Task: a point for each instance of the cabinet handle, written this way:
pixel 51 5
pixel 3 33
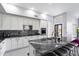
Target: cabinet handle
pixel 0 47
pixel 3 42
pixel 33 51
pixel 28 54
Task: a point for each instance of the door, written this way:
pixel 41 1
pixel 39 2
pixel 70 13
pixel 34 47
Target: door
pixel 58 32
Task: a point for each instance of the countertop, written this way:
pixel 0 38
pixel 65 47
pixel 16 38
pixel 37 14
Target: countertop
pixel 45 45
pixel 1 39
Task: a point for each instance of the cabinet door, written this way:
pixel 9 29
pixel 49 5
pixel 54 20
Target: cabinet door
pixel 6 22
pixel 3 45
pixel 27 21
pixel 30 21
pixel 23 52
pixel 20 42
pixel 14 43
pixel 31 50
pixel 0 21
pixel 25 41
pixel 8 44
pixel 36 24
pixel 14 23
pixel 20 23
pixel 43 24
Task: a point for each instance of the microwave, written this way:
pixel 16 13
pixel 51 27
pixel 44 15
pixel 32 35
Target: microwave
pixel 43 30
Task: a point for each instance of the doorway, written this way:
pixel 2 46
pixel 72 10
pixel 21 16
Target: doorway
pixel 58 32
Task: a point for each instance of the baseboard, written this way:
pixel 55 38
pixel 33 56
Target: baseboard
pixel 16 49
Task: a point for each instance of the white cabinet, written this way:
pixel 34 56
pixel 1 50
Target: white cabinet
pixel 43 24
pixel 36 24
pixel 20 42
pixel 0 21
pixel 17 42
pixel 31 50
pixel 14 43
pixel 30 21
pixel 2 47
pixel 25 41
pixel 20 23
pixel 27 21
pixel 14 23
pixel 6 22
pixel 8 44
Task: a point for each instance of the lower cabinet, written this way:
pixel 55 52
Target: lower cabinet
pixel 14 44
pixel 25 41
pixel 19 42
pixel 22 42
pixel 8 44
pixel 2 47
pixel 31 50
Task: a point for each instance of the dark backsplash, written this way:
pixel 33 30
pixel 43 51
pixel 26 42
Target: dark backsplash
pixel 16 33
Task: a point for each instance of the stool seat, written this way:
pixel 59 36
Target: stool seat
pixel 61 52
pixel 76 41
pixel 49 54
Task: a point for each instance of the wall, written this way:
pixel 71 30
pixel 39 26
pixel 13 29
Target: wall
pixel 72 24
pixel 50 26
pixel 61 19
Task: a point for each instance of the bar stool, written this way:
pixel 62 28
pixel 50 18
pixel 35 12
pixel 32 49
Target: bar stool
pixel 70 47
pixel 76 44
pixel 61 52
pixel 49 54
pixel 75 49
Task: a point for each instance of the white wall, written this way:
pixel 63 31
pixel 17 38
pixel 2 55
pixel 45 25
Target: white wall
pixel 71 26
pixel 50 26
pixel 61 19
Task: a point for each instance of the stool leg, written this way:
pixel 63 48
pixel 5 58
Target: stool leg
pixel 77 50
pixel 70 53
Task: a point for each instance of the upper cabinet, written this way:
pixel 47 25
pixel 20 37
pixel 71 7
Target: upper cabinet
pixel 6 22
pixel 43 23
pixel 34 22
pixel 13 22
pixel 0 21
pixel 27 21
pixel 19 23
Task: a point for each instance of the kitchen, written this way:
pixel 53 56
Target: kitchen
pixel 28 32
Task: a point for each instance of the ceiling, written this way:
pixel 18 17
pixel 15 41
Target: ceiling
pixel 51 8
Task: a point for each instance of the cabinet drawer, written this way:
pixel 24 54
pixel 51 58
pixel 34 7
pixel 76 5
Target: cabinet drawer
pixel 25 42
pixel 31 51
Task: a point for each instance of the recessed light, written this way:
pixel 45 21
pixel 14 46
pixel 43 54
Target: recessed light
pixel 32 8
pixel 50 3
pixel 45 13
